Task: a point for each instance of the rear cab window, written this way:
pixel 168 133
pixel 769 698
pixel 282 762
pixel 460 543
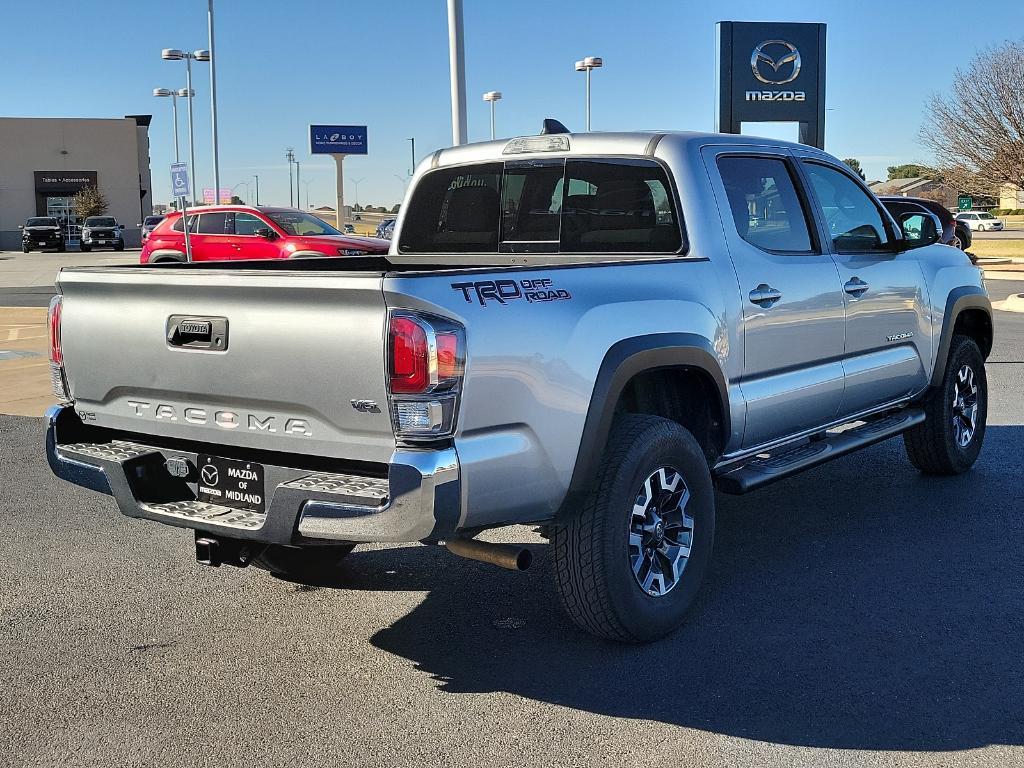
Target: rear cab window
pixel 545 206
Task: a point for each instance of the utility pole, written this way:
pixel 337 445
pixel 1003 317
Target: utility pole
pixel 257 189
pixel 289 155
pixel 298 185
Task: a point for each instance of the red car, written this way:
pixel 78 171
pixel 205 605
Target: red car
pixel 242 232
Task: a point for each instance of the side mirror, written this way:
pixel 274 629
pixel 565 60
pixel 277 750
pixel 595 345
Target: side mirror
pixel 120 226
pixel 266 233
pixel 920 229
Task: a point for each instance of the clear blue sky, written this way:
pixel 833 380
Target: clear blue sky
pixel 283 65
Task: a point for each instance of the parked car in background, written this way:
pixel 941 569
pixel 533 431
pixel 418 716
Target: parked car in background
pixel 386 229
pixel 42 232
pixel 980 221
pixel 101 232
pixel 348 229
pixel 226 232
pixel 955 233
pixel 148 225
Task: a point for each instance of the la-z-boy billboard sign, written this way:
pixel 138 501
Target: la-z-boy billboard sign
pixel 337 140
pixel 772 72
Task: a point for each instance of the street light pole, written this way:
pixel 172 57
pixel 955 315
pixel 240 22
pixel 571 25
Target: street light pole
pixel 412 153
pixel 492 96
pixel 191 127
pixel 213 102
pixel 257 188
pixel 587 65
pixel 165 92
pixel 298 185
pixel 356 183
pixel 457 64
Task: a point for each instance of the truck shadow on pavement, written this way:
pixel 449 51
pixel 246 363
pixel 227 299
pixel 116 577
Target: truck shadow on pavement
pixel 859 606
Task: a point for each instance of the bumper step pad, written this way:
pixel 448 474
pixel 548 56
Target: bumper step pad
pixel 208 513
pixel 349 489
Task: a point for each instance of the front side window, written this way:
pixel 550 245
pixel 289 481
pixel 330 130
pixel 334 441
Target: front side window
pixel 247 224
pixel 985 216
pixel 544 206
pixel 764 203
pixel 854 221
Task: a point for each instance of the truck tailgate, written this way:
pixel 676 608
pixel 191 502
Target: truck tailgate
pixel 299 347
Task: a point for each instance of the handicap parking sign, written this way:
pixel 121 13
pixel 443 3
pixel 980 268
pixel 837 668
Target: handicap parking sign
pixel 179 180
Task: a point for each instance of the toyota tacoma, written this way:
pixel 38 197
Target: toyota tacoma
pixel 587 334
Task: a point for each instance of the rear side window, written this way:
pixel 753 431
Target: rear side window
pixel 212 223
pixel 764 203
pixel 179 226
pixel 544 206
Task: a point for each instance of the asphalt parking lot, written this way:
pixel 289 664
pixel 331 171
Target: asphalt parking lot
pixel 859 614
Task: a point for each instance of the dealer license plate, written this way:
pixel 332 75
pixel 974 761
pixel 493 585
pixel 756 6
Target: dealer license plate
pixel 231 483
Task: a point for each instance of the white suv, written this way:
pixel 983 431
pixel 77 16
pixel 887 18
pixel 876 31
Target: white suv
pixel 980 221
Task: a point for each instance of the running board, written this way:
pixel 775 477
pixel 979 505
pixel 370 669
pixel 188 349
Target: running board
pixel 766 468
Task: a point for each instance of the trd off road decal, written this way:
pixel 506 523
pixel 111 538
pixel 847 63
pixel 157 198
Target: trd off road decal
pixel 504 291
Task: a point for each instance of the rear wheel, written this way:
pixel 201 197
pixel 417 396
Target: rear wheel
pixel 950 439
pixel 629 563
pixel 303 564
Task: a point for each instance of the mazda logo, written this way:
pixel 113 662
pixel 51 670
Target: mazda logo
pixel 210 475
pixel 770 65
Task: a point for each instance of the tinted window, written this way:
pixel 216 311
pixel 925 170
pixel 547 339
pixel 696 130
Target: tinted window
pixel 531 204
pixel 764 203
pixel 41 222
pixel 100 221
pixel 544 206
pixel 212 223
pixel 455 210
pixel 177 226
pixel 152 221
pixel 247 224
pixel 985 216
pixel 623 206
pixel 853 219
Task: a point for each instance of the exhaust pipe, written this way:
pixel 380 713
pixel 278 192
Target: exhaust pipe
pixel 511 556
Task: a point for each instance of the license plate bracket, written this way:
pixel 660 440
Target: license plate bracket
pixel 231 483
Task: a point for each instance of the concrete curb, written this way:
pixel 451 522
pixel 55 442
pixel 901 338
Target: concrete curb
pixel 1013 303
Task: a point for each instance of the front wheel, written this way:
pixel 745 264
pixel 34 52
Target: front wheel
pixel 949 440
pixel 630 561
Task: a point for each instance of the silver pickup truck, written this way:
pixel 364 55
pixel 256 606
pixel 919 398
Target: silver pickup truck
pixel 584 333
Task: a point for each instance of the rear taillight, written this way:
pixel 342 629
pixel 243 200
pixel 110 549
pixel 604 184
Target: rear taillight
pixel 57 378
pixel 425 367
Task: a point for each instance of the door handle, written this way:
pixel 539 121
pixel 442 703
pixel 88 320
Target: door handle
pixel 764 295
pixel 855 286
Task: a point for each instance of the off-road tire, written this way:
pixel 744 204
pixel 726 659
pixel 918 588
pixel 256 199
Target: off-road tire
pixel 308 564
pixel 590 551
pixel 931 445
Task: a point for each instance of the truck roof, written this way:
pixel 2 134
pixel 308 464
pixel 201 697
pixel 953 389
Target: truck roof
pixel 636 143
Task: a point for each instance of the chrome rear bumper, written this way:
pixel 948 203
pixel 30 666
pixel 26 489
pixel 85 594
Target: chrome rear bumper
pixel 419 500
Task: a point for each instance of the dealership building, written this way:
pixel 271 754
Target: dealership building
pixel 44 161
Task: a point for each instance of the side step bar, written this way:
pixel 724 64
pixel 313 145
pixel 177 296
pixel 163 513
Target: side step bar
pixel 785 461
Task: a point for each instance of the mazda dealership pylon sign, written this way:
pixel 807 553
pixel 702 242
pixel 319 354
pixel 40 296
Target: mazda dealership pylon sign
pixel 772 72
